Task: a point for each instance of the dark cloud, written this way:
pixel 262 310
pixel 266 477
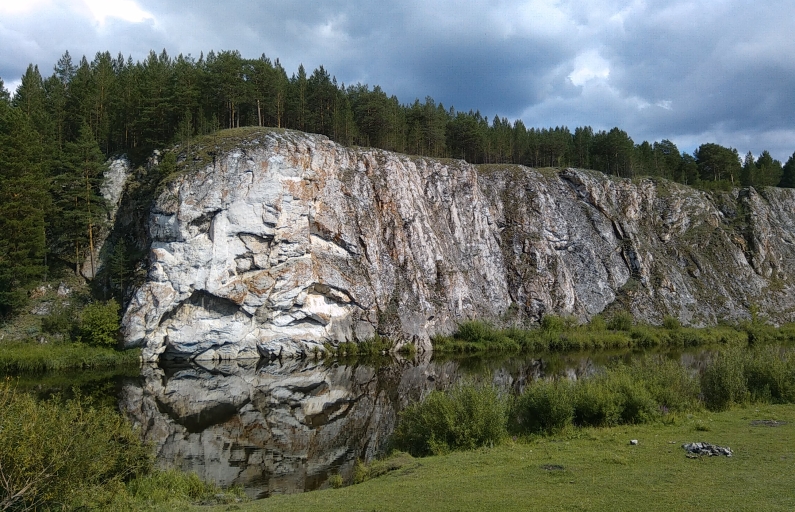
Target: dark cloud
pixel 689 71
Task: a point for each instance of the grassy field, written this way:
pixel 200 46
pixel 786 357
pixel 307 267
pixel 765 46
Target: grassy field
pixel 20 357
pixel 590 469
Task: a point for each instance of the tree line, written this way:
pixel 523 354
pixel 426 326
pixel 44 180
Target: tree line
pixel 56 132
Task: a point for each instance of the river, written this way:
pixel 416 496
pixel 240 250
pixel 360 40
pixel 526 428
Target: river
pixel 288 426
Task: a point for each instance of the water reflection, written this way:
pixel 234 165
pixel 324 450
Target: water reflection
pixel 276 428
pixel 288 426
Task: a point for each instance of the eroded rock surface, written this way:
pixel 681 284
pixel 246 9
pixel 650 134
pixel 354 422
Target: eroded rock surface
pixel 290 241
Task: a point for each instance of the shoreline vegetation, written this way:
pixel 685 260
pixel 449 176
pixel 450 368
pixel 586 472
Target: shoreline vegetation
pixel 82 454
pixel 621 331
pixel 751 367
pixel 21 358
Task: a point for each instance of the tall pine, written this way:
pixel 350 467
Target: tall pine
pixel 23 200
pixel 79 209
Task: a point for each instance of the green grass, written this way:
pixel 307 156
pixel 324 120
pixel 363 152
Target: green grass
pixel 600 471
pixel 30 357
pixel 621 332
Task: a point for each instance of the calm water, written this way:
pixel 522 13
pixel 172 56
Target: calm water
pixel 287 427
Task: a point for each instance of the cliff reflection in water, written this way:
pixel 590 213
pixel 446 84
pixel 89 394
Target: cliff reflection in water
pixel 276 428
pixel 287 427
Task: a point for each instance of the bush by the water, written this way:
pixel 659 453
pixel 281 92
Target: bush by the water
pixel 740 375
pixel 100 324
pixel 648 389
pixel 64 454
pixel 464 417
pixel 546 406
pixel 562 334
pixel 75 454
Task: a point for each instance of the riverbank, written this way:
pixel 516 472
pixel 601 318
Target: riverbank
pixel 591 469
pixel 31 357
pixel 622 331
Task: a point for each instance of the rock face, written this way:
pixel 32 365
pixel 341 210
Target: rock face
pixel 290 241
pixel 114 179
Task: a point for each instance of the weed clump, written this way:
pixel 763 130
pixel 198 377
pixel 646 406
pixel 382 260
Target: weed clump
pixel 546 407
pixel 464 417
pixel 80 455
pixel 723 381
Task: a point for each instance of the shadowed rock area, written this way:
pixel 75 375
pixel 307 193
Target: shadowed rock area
pixel 290 241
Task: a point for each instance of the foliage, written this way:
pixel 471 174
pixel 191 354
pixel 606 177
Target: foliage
pixel 32 357
pixel 546 406
pixel 69 454
pixel 723 382
pixel 562 334
pixel 621 321
pixel 100 324
pixel 671 323
pixel 23 201
pixel 464 417
pixel 78 454
pixel 172 489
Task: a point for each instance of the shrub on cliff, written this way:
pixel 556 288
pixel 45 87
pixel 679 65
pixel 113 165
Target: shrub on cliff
pixel 464 417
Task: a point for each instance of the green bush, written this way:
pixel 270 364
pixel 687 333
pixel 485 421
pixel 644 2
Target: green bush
pixel 474 331
pixel 553 323
pixel 173 487
pixel 465 417
pixel 723 381
pixel 545 406
pixel 671 323
pixel 597 324
pixel 670 384
pixel 770 375
pixel 621 321
pixel 637 404
pixel 595 403
pixel 60 322
pixel 64 455
pixel 99 325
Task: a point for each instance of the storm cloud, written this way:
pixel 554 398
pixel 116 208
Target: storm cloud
pixel 688 71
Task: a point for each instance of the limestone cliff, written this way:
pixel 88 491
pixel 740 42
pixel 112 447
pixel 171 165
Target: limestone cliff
pixel 289 241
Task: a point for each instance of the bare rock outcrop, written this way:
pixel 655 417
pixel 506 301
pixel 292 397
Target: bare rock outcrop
pixel 290 241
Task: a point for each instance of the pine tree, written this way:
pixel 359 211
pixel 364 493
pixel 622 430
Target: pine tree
pixel 788 173
pixel 768 170
pixel 79 209
pixel 748 177
pixel 23 201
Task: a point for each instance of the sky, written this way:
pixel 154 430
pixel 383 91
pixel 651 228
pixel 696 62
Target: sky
pixel 689 71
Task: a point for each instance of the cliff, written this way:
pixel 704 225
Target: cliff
pixel 288 241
